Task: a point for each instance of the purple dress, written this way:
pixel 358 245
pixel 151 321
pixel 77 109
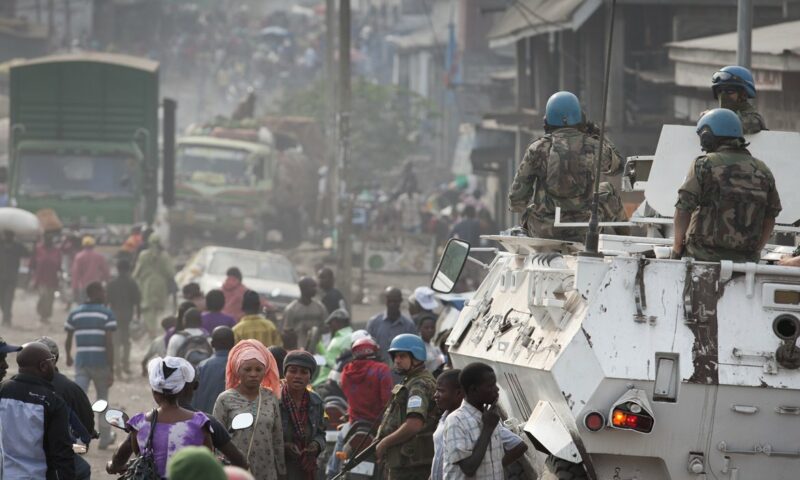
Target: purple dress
pixel 169 437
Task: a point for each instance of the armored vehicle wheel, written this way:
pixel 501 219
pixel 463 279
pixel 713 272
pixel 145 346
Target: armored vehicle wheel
pixel 564 470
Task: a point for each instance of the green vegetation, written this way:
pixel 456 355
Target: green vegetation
pixel 384 126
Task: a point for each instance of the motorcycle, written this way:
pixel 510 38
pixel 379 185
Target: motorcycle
pixel 356 460
pixel 119 419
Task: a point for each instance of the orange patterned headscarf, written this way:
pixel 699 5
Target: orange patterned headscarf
pixel 249 350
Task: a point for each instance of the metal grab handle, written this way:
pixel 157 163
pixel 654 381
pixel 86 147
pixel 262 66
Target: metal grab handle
pixel 766 449
pixel 787 410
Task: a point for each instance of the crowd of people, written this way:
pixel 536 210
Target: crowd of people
pixel 224 353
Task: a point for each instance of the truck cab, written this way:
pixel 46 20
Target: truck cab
pixel 83 140
pixel 223 187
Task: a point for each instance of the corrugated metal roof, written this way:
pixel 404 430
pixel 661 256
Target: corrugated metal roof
pixel 779 39
pixel 526 18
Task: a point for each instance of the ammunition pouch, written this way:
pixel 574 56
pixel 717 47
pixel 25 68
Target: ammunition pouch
pixel 416 452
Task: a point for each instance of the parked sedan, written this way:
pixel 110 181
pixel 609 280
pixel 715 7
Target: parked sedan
pixel 270 274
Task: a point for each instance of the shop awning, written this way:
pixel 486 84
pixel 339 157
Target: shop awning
pixel 526 18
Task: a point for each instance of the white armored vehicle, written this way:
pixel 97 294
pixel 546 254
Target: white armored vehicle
pixel 629 365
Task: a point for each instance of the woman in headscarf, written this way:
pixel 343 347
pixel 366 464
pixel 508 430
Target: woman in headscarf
pixel 175 427
pixel 253 385
pixel 302 414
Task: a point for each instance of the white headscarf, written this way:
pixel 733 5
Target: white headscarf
pixel 169 375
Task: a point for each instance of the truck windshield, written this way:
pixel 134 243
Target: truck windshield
pixel 213 165
pixel 71 174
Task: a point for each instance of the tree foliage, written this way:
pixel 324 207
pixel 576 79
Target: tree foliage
pixel 384 126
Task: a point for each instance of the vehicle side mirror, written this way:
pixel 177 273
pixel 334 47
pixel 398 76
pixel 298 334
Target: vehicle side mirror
pixel 117 418
pixel 450 266
pixel 100 406
pixel 242 421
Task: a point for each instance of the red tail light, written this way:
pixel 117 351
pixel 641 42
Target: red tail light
pixel 640 422
pixel 594 421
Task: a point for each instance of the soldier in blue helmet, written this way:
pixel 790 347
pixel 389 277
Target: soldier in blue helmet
pixel 727 205
pixel 558 171
pixel 406 430
pixel 733 86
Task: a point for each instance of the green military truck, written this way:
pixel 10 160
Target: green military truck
pixel 84 140
pixel 223 193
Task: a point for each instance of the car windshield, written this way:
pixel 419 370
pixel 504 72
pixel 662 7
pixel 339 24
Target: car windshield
pixel 213 165
pixel 76 175
pixel 253 266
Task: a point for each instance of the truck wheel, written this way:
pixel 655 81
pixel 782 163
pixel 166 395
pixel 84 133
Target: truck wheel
pixel 564 470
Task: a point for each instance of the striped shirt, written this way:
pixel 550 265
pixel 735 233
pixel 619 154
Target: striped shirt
pixel 90 322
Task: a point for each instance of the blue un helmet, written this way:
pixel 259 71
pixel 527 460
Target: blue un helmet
pixel 410 343
pixel 563 109
pixel 734 76
pixel 721 122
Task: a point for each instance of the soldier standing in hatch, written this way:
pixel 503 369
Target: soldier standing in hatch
pixel 727 205
pixel 732 86
pixel 558 171
pixel 406 431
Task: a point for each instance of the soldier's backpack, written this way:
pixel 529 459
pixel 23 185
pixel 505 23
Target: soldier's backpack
pixel 569 167
pixel 733 214
pixel 195 349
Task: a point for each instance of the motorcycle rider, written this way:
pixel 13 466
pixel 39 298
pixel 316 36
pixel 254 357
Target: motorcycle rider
pixel 367 385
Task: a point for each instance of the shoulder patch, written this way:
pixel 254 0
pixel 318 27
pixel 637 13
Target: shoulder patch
pixel 414 401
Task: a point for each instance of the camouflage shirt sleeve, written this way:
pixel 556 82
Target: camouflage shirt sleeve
pixel 530 168
pixel 419 398
pixel 774 206
pixel 612 163
pixel 689 192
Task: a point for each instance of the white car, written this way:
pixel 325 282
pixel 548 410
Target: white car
pixel 271 275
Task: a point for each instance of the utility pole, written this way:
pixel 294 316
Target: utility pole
pixel 332 158
pixel 68 24
pixel 346 216
pixel 51 20
pixel 745 31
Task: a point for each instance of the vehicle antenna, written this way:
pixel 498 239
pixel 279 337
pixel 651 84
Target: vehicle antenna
pixel 592 236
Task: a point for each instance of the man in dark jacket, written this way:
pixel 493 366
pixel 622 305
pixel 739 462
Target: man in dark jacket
pixel 124 299
pixel 81 414
pixel 211 371
pixel 40 448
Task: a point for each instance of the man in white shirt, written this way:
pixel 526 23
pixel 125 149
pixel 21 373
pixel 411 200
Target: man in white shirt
pixel 475 445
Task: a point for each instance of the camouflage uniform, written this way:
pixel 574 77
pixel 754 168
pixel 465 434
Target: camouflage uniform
pixel 558 171
pixel 752 121
pixel 729 194
pixel 411 460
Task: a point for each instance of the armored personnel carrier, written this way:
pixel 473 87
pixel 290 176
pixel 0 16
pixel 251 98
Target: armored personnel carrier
pixel 628 365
